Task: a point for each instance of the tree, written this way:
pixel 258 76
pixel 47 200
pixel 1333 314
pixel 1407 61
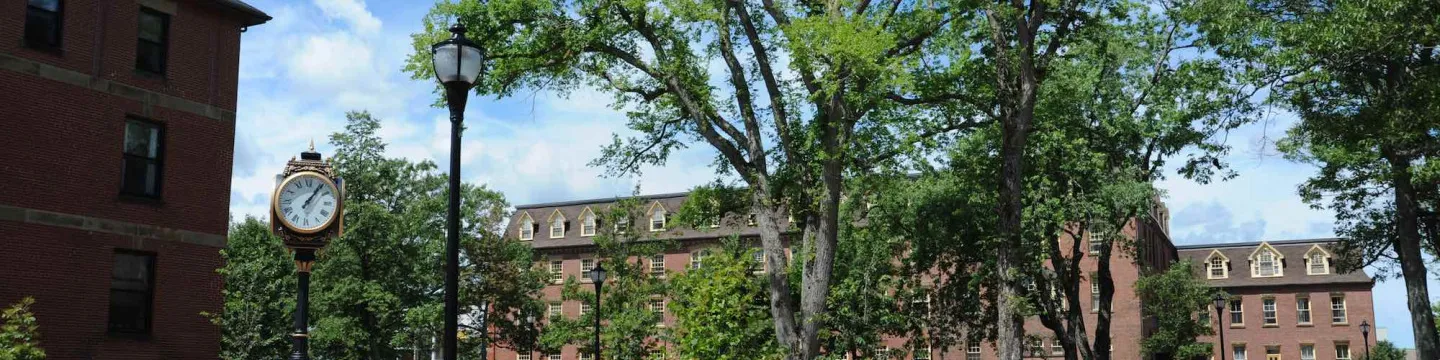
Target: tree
pixel 1385 350
pixel 1178 302
pixel 19 334
pixel 720 309
pixel 1361 78
pixel 810 94
pixel 259 294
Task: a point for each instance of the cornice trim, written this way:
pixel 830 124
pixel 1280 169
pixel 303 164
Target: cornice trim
pixel 108 226
pixel 147 98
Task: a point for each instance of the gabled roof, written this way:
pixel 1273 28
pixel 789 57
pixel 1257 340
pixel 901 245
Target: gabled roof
pixel 733 224
pixel 1291 249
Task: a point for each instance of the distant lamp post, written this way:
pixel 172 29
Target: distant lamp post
pixel 1365 333
pixel 457 66
pixel 1220 322
pixel 597 276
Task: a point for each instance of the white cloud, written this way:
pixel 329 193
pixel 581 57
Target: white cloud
pixel 352 12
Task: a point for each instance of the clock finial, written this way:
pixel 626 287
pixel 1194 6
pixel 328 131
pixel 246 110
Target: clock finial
pixel 312 144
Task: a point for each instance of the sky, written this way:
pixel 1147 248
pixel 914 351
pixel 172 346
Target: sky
pixel 301 72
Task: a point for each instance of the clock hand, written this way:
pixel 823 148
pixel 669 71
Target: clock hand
pixel 312 197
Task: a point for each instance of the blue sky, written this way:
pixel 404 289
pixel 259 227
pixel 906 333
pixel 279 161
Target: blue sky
pixel 317 59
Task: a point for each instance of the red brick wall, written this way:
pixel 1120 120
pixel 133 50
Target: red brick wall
pixel 68 274
pixel 1288 333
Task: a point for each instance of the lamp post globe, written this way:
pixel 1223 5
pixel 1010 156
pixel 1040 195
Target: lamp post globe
pixel 457 62
pixel 597 276
pixel 1220 300
pixel 1365 333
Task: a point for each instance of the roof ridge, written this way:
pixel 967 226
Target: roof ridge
pixel 600 200
pixel 1256 243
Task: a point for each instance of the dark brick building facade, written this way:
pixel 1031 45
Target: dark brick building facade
pixel 569 250
pixel 119 121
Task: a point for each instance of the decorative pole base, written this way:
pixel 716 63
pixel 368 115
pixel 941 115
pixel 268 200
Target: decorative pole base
pixel 300 340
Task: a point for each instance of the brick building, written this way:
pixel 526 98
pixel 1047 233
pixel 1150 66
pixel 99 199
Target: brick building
pixel 561 235
pixel 1288 301
pixel 119 118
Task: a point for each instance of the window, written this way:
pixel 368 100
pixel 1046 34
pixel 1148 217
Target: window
pixel 554 357
pixel 1302 310
pixel 1055 348
pixel 557 226
pixel 1307 352
pixel 1337 309
pixel 622 225
pixel 587 223
pixel 1097 242
pixel 750 219
pixel 42 24
pixel 1036 347
pixel 922 354
pixel 1272 352
pixel 657 306
pixel 1267 308
pixel 585 308
pixel 1217 268
pixel 1237 312
pixel 132 289
pixel 522 357
pixel 144 146
pixel 1266 264
pixel 881 352
pixel 587 356
pixel 1204 314
pixel 972 350
pixel 1239 352
pixel 555 310
pixel 1342 351
pixel 1094 296
pixel 557 269
pixel 697 258
pixel 759 257
pixel 527 227
pixel 1317 261
pixel 586 265
pixel 151 48
pixel 657 265
pixel 657 220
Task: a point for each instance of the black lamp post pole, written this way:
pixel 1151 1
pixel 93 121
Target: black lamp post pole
pixel 598 285
pixel 456 94
pixel 300 340
pixel 1220 323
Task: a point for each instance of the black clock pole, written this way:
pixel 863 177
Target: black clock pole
pixel 304 261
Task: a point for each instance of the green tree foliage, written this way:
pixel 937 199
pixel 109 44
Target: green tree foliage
pixel 809 94
pixel 259 294
pixel 1384 350
pixel 1362 78
pixel 19 334
pixel 720 309
pixel 1173 299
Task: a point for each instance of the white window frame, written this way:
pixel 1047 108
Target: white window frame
pixel 1347 353
pixel 587 356
pixel 522 356
pixel 587 222
pixel 1342 306
pixel 557 271
pixel 657 212
pixel 1269 311
pixel 557 225
pixel 972 350
pixel 586 265
pixel 1303 348
pixel 1094 296
pixel 555 357
pixel 586 308
pixel 1097 242
pixel 1239 352
pixel 1237 308
pixel 1211 265
pixel 1304 312
pixel 697 257
pixel 1317 252
pixel 657 265
pixel 922 354
pixel 622 225
pixel 555 310
pixel 1277 261
pixel 527 227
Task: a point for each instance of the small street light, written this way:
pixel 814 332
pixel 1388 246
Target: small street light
pixel 597 276
pixel 456 64
pixel 1220 322
pixel 1365 333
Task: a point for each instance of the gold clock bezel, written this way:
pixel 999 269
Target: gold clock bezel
pixel 275 203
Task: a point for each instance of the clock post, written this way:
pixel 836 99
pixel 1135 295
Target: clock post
pixel 306 212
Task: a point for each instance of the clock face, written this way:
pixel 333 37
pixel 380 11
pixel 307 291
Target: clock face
pixel 307 202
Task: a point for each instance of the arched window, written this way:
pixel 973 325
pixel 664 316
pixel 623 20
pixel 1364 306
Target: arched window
pixel 657 217
pixel 527 227
pixel 587 223
pixel 557 225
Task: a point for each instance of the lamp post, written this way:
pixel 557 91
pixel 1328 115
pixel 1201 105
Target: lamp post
pixel 1219 322
pixel 1365 333
pixel 456 63
pixel 597 276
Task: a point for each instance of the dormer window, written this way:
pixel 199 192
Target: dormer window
pixel 527 227
pixel 622 225
pixel 1266 262
pixel 657 217
pixel 557 225
pixel 1317 261
pixel 587 223
pixel 1216 266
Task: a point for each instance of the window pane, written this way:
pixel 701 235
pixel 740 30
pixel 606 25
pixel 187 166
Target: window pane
pixel 51 5
pixel 152 25
pixel 42 28
pixel 130 280
pixel 128 311
pixel 150 56
pixel 142 139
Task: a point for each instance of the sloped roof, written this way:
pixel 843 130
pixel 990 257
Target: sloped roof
pixel 1294 263
pixel 732 224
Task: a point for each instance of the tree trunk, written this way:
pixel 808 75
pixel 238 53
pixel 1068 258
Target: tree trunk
pixel 816 277
pixel 1412 265
pixel 1010 327
pixel 777 278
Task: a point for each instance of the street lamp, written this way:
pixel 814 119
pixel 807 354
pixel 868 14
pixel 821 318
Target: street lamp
pixel 597 276
pixel 1365 333
pixel 1220 322
pixel 457 66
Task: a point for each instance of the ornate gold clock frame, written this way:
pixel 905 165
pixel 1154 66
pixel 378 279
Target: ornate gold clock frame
pixel 305 244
